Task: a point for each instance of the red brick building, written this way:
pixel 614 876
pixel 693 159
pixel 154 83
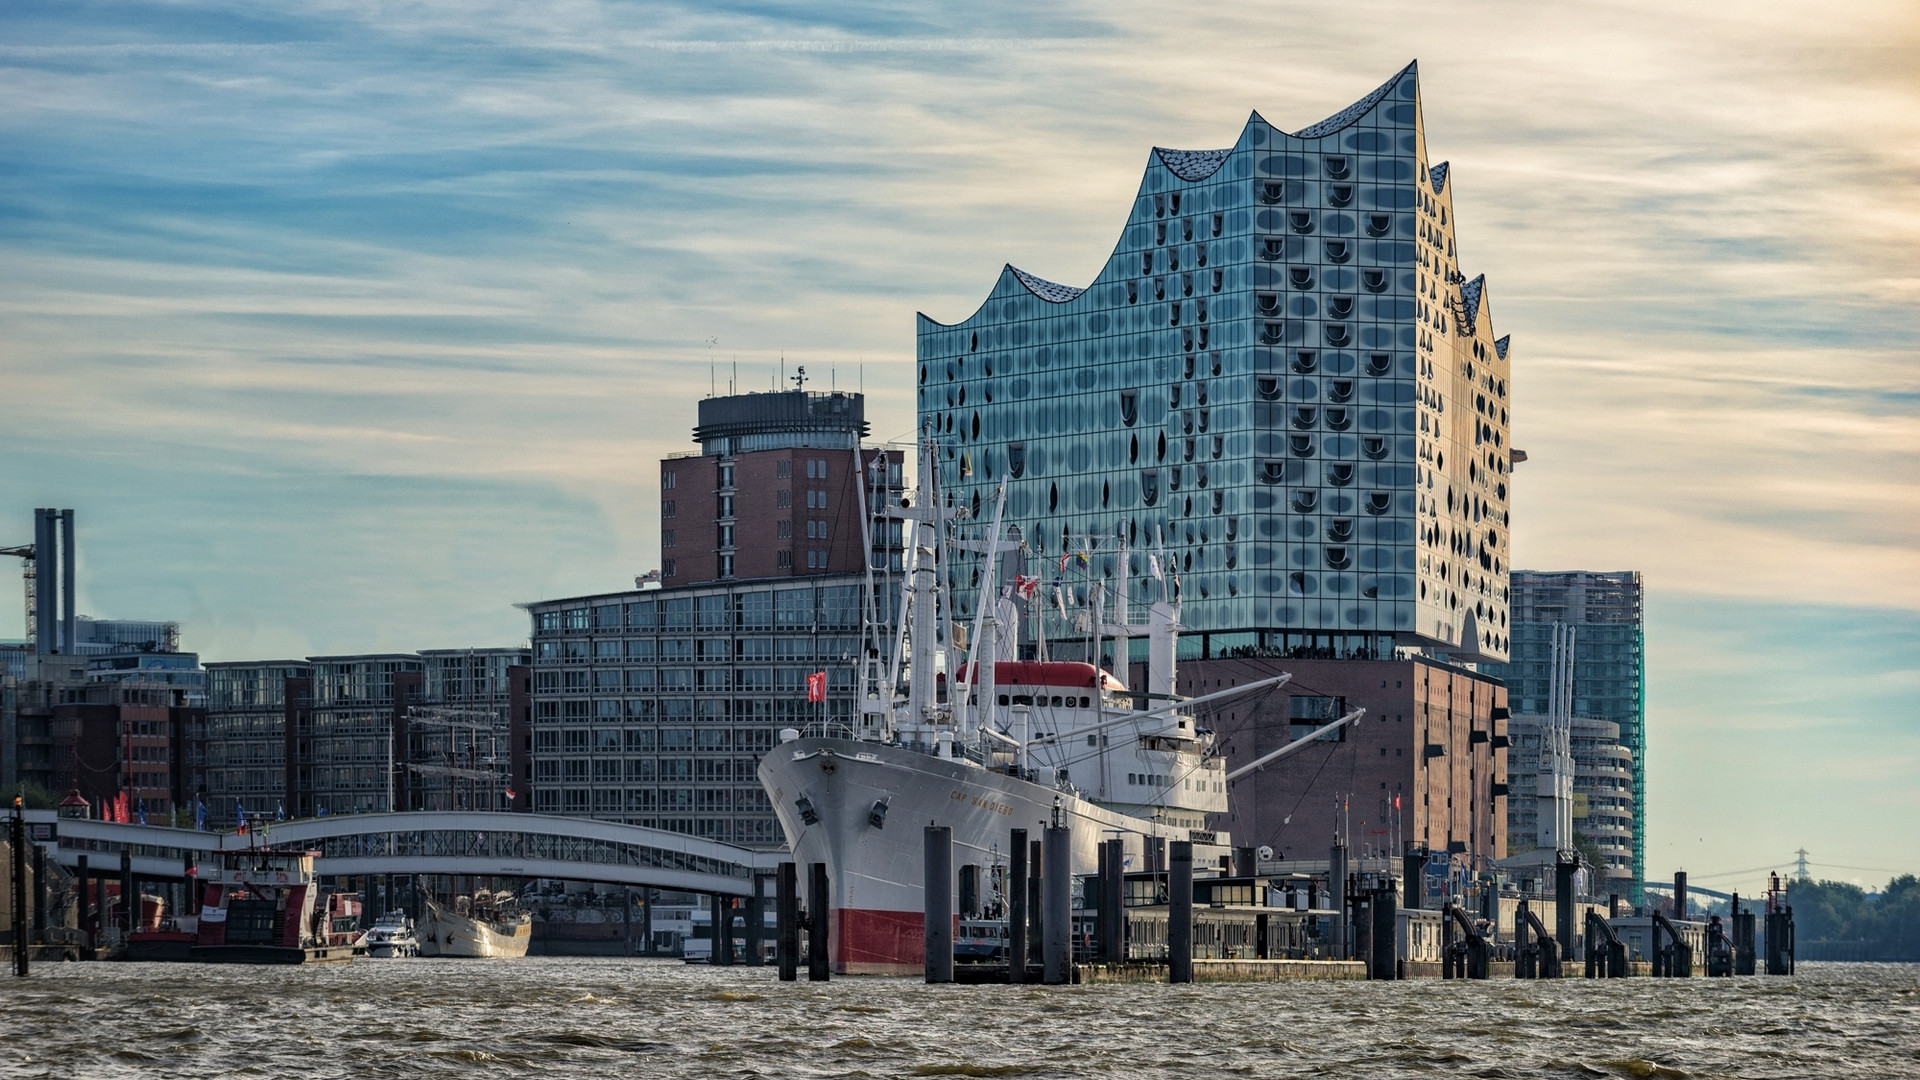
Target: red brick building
pixel 775 491
pixel 1433 738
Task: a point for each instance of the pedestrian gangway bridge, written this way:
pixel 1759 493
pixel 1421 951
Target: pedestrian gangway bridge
pixel 479 843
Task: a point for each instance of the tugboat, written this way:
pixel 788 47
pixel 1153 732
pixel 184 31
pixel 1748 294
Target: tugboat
pixel 263 906
pixel 483 925
pixel 392 936
pixel 1009 744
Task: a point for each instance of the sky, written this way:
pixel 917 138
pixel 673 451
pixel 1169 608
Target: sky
pixel 346 326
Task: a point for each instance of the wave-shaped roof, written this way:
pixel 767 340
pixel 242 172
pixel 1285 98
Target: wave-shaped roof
pixel 1193 165
pixel 1356 110
pixel 1051 291
pixel 1470 292
pixel 1500 345
pixel 1439 176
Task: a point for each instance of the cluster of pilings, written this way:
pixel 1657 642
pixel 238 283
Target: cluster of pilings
pixel 794 923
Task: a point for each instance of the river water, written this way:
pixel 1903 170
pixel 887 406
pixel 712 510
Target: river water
pixel 647 1018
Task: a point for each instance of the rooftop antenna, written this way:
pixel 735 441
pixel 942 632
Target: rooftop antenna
pixel 732 382
pixel 800 377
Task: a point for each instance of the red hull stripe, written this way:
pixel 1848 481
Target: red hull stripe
pixel 864 937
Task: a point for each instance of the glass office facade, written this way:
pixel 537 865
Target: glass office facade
pixel 1281 388
pixel 654 707
pixel 1609 664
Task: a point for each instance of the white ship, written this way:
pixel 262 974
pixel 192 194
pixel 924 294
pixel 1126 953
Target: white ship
pixel 486 925
pixel 1011 745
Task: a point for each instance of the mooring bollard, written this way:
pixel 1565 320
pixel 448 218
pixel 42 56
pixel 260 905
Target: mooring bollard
pixel 1056 886
pixel 1180 911
pixel 938 891
pixel 786 917
pixel 1017 878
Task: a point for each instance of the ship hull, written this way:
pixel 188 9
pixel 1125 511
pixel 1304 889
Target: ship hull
pixel 877 921
pixel 443 933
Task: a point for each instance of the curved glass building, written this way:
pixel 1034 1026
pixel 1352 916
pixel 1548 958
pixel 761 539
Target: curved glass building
pixel 1281 391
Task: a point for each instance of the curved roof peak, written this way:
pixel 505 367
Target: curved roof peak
pixel 1471 293
pixel 1051 291
pixel 1438 174
pixel 1500 345
pixel 1359 108
pixel 1193 165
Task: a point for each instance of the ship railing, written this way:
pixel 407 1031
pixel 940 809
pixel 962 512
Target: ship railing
pixel 829 729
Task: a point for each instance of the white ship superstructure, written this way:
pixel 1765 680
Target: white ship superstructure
pixel 1009 744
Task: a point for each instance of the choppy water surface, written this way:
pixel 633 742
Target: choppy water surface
pixel 639 1018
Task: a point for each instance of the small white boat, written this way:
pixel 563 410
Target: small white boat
pixel 392 935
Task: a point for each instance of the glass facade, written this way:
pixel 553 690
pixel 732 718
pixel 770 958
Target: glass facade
pixel 1281 388
pixel 654 707
pixel 246 735
pixel 1609 664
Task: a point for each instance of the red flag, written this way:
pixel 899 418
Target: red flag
pixel 817 686
pixel 1025 586
pixel 120 812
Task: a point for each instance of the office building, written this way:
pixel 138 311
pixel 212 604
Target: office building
pixel 355 734
pixel 1609 667
pixel 1281 386
pixel 653 706
pixel 775 491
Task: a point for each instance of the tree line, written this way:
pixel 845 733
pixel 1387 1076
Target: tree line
pixel 1838 920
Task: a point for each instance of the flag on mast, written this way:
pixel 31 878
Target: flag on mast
pixel 817 686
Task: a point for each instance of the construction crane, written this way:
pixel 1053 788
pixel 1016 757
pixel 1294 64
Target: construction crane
pixel 27 553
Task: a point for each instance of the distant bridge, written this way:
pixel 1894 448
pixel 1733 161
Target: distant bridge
pixel 478 843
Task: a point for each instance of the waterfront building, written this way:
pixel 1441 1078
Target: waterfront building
pixel 251 707
pixel 1603 809
pixel 355 734
pixel 1424 769
pixel 1609 665
pixel 1281 386
pixel 775 491
pixel 653 705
